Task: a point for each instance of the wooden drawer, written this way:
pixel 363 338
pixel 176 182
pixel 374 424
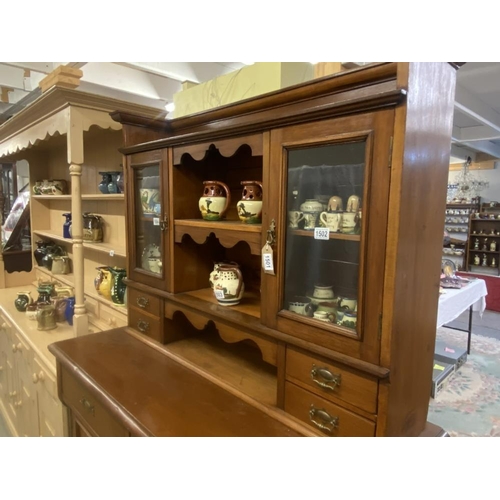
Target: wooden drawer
pixel 145 324
pixel 144 302
pixel 112 317
pixel 87 409
pixel 320 377
pixel 330 419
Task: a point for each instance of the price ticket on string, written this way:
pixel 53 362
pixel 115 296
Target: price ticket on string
pixel 156 221
pixel 321 233
pixel 267 259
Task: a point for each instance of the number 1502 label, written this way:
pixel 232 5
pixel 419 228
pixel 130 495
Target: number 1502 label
pixel 321 233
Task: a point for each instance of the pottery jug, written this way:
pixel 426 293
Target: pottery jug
pixel 60 264
pixel 41 250
pixel 120 182
pixel 70 309
pixel 92 227
pixel 52 251
pixel 103 185
pixel 67 225
pixel 294 217
pixel 59 304
pixel 215 200
pixel 22 301
pixel 103 282
pixel 118 285
pixel 112 184
pixel 250 206
pixel 46 317
pixel 64 291
pixel 227 284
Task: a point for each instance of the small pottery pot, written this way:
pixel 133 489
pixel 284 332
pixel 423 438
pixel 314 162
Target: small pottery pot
pixel 250 206
pixel 325 316
pixel 22 301
pixel 46 317
pixel 227 284
pixel 323 292
pixel 349 319
pixel 215 200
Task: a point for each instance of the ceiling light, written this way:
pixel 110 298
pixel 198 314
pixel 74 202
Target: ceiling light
pixel 169 107
pixel 248 64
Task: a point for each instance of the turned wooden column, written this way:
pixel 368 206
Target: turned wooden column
pixel 75 161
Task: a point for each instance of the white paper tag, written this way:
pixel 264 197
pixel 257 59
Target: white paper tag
pixel 321 233
pixel 111 253
pixel 219 294
pixel 267 259
pixel 156 221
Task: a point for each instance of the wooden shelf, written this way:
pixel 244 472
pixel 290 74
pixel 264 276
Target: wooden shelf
pixel 85 197
pixel 229 232
pixel 475 250
pixel 249 305
pixel 68 279
pixel 485 220
pixel 333 236
pixel 107 248
pixel 237 365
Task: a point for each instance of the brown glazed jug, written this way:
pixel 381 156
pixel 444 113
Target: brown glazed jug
pixel 250 206
pixel 215 200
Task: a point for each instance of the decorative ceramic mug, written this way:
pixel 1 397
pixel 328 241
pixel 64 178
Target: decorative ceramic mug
pixel 324 316
pixel 349 220
pixel 301 305
pixel 347 303
pixel 349 319
pixel 332 220
pixel 294 217
pixel 310 220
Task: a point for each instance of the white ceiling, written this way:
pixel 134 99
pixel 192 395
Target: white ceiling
pixel 477 103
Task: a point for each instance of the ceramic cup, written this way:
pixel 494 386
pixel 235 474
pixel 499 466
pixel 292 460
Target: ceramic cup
pixel 347 303
pixel 349 319
pixel 324 316
pixel 310 220
pixel 294 217
pixel 332 220
pixel 348 222
pixel 301 305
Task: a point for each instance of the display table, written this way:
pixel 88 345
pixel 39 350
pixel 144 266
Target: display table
pixel 455 301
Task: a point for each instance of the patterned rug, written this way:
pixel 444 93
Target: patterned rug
pixel 470 404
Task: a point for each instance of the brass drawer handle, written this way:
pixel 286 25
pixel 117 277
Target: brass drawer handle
pixel 331 380
pixel 142 326
pixel 327 424
pixel 142 302
pixel 86 404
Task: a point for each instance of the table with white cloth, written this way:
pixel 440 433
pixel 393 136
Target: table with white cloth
pixel 455 301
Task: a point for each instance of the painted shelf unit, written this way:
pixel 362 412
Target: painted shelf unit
pixel 67 134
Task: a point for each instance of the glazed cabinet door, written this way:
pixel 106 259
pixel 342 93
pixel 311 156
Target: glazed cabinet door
pixel 147 218
pixel 329 200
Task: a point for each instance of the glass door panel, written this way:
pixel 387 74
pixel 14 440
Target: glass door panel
pixel 325 189
pixel 148 223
